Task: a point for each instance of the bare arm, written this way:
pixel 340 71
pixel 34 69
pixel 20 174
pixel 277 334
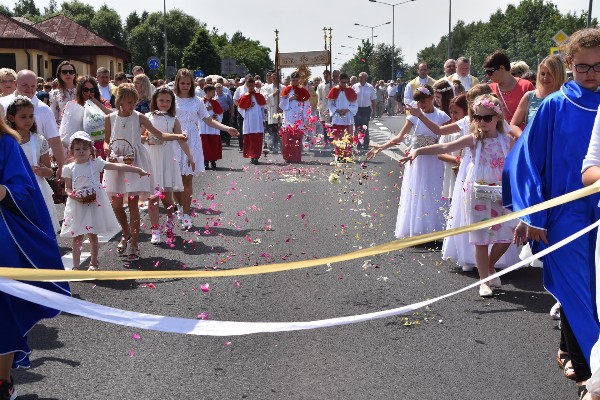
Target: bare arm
pixel 519 117
pixel 376 149
pixel 184 146
pixel 125 168
pixel 591 175
pixel 107 133
pixel 465 141
pixel 43 168
pixel 164 136
pixel 433 127
pixel 101 106
pixel 217 125
pixel 59 154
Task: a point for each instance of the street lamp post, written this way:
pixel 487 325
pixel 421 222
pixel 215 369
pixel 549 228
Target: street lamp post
pixel 393 25
pixel 165 33
pixel 362 40
pixel 372 28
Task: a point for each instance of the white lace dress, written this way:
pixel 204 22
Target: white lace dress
pixel 96 217
pixel 165 166
pixel 190 111
pixel 33 149
pixel 126 131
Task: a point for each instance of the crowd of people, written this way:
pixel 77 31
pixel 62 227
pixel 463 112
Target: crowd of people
pixel 475 151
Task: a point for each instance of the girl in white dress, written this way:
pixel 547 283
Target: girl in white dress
pixel 88 211
pixel 190 111
pixel 20 116
pixel 123 141
pixel 165 168
pixel 490 146
pixel 421 207
pixel 457 111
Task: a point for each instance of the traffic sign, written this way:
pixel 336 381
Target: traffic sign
pixel 560 37
pixel 153 62
pixel 398 74
pixel 198 73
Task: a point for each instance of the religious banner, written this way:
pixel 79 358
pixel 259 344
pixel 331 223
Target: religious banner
pixel 308 58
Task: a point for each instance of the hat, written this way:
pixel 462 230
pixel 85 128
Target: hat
pixel 242 80
pixel 80 135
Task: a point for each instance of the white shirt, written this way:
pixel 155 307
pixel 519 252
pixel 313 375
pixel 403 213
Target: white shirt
pixel 293 110
pixel 105 92
pixel 199 92
pixel 408 94
pixel 253 118
pixel 42 114
pixel 268 92
pixel 239 91
pixel 366 93
pixel 392 90
pixel 322 92
pixel 342 103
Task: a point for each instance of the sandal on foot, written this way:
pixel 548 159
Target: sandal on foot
pixel 582 392
pixel 93 267
pixel 134 254
pixel 122 246
pixel 564 362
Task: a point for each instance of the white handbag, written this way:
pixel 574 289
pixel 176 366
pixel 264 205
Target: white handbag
pixel 484 191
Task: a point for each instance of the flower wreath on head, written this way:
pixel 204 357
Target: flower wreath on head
pixel 444 90
pixel 424 90
pixel 489 104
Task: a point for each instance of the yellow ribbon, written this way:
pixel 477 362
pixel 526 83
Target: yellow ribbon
pixel 50 275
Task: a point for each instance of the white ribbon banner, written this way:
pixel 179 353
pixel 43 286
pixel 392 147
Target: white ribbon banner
pixel 308 58
pixel 228 328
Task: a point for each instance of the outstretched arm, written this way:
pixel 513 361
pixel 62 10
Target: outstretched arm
pixel 435 128
pixel 376 149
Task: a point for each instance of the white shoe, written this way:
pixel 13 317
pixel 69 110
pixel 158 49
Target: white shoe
pixel 467 268
pixel 495 283
pixel 143 206
pixel 555 311
pixel 179 214
pixel 186 221
pixel 170 225
pixel 485 291
pixel 155 239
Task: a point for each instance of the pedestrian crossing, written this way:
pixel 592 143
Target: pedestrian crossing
pixel 379 133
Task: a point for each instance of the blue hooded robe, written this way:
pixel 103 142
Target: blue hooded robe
pixel 27 240
pixel 546 163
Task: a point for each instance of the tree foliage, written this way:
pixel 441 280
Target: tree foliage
pixel 376 61
pixel 79 12
pixel 107 23
pixel 26 8
pixel 201 53
pixel 244 51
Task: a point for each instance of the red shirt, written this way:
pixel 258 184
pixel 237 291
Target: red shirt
pixel 510 100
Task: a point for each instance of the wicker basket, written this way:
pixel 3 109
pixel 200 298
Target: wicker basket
pixel 86 196
pixel 121 149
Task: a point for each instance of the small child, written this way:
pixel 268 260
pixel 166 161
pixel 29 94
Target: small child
pixel 457 111
pixel 20 117
pixel 211 137
pixel 489 145
pixel 88 210
pixel 251 106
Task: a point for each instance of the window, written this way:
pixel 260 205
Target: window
pixel 40 65
pixel 8 60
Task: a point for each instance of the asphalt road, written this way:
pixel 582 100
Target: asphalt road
pixel 460 348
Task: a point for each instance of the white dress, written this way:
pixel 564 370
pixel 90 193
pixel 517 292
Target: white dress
pixel 421 208
pixel 123 130
pixel 190 111
pixel 449 175
pixel 96 217
pixel 165 166
pixel 33 149
pixel 457 248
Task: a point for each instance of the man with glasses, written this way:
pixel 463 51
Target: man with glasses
pixel 506 87
pixel 422 79
pixel 463 70
pixel 43 115
pixel 8 78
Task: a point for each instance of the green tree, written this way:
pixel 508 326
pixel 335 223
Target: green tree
pixel 51 9
pixel 201 53
pixel 79 12
pixel 245 52
pixel 140 43
pixel 107 23
pixel 132 20
pixel 5 11
pixel 381 65
pixel 26 8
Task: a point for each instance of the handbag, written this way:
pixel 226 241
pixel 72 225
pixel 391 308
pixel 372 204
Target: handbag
pixel 484 191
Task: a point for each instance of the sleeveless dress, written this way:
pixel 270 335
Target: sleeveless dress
pixel 486 168
pixel 96 217
pixel 127 129
pixel 33 149
pixel 190 112
pixel 165 167
pixel 421 208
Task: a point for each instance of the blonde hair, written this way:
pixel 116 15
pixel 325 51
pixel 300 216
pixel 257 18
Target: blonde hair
pixel 486 101
pixel 557 70
pixel 124 91
pixel 146 87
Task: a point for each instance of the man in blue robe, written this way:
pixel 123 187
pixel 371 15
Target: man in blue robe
pixel 546 163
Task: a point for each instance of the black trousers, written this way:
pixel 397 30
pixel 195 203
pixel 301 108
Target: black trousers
pixel 240 124
pixel 362 118
pixel 568 342
pixel 225 136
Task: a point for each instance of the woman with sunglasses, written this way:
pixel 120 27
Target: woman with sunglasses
pixel 506 87
pixel 59 97
pixel 87 95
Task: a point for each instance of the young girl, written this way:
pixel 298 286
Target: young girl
pixel 211 137
pixel 88 210
pixel 549 154
pixel 190 111
pixel 421 208
pixel 20 117
pixel 122 138
pixel 165 168
pixel 489 145
pixel 457 110
pixel 28 241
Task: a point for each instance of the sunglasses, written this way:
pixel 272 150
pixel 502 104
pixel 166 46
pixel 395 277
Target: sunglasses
pixel 490 72
pixel 88 90
pixel 484 118
pixel 67 71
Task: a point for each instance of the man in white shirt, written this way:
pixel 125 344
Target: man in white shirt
pixel 103 78
pixel 463 69
pixel 239 91
pixel 367 103
pixel 271 93
pixel 43 115
pixel 391 98
pixel 322 103
pixel 200 82
pixel 421 80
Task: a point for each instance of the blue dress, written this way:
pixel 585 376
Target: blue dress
pixel 28 241
pixel 546 163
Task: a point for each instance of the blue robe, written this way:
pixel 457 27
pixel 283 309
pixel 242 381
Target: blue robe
pixel 27 241
pixel 546 163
